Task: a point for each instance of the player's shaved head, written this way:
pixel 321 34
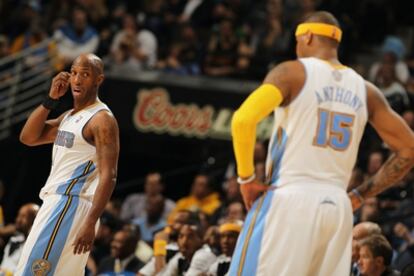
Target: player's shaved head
pixel 90 60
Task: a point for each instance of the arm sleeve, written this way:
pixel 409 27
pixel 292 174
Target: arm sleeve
pixel 243 127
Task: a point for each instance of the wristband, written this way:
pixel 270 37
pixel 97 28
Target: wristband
pixel 358 194
pixel 50 103
pixel 160 248
pixel 245 181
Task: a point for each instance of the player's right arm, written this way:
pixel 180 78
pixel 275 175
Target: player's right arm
pixel 38 130
pixel 399 138
pixel 280 87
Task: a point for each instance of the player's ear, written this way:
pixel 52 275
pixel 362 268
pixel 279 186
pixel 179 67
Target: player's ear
pixel 308 38
pixel 100 79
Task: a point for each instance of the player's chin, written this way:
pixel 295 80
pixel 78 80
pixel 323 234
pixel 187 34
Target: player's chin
pixel 77 95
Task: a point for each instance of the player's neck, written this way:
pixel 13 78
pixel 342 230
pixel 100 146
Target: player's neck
pixel 329 55
pixel 78 106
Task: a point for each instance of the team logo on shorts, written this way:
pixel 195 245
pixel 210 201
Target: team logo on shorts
pixel 40 267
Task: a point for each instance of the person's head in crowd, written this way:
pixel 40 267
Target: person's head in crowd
pixel 386 75
pixel 370 210
pixel 181 217
pixel 361 231
pixel 232 189
pixel 25 217
pixel 229 232
pixel 201 186
pixel 4 46
pixel 109 224
pixel 124 243
pixel 375 161
pixel 129 23
pixel 190 239
pixel 188 34
pixel 375 255
pixel 393 49
pixel 79 19
pixel 236 211
pixel 153 184
pixel 114 207
pixel 212 238
pixel 408 116
pixel 155 207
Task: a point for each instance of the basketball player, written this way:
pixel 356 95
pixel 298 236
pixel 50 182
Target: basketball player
pixel 301 223
pixel 83 173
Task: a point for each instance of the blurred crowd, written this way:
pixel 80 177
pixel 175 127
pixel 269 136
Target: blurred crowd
pixel 221 38
pixel 148 233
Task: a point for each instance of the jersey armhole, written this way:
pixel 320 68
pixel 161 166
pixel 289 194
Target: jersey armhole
pixel 96 112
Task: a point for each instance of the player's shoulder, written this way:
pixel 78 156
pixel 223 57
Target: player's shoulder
pixel 375 98
pixel 289 77
pixel 103 120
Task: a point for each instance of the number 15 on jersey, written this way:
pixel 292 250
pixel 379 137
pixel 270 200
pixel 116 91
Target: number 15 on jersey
pixel 334 129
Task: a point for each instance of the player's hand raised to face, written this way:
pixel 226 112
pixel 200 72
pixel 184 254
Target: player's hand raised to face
pixel 60 85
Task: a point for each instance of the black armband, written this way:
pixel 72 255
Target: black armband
pixel 50 103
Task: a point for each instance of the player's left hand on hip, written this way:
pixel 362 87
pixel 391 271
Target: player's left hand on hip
pixel 251 191
pixel 84 239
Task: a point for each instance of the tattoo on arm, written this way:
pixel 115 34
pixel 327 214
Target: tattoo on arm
pixel 391 172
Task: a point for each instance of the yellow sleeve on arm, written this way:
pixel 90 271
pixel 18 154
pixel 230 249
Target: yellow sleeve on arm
pixel 243 126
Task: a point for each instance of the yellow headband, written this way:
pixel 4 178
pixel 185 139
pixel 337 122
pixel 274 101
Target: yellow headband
pixel 234 227
pixel 320 29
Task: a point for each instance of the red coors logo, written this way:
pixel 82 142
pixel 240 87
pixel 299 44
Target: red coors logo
pixel 155 112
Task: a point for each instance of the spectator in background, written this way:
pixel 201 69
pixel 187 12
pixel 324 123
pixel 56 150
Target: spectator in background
pixel 270 43
pixel 393 51
pixel 357 178
pixel 222 57
pixel 205 256
pixel 76 37
pixel 184 56
pixel 406 249
pixel 190 240
pixel 393 90
pixel 361 231
pixel 375 256
pixel 168 240
pixel 102 244
pixel 122 259
pixel 202 197
pixel 35 35
pixel 14 247
pixel 370 210
pixel 229 233
pixel 114 207
pixel 134 205
pixel 375 161
pixel 133 47
pixel 236 211
pixel 152 221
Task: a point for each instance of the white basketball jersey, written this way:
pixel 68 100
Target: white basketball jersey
pixel 74 162
pixel 316 137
